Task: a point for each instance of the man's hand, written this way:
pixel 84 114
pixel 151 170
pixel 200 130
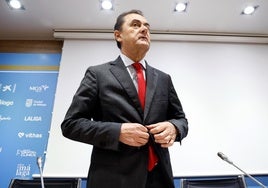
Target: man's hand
pixel 164 133
pixel 134 134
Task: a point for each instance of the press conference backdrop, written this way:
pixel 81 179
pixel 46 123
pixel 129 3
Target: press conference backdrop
pixel 27 89
pixel 223 89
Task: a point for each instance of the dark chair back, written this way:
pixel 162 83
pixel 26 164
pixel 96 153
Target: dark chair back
pixel 228 182
pixel 48 183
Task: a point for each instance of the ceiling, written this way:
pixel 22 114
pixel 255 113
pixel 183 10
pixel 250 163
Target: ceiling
pixel 41 17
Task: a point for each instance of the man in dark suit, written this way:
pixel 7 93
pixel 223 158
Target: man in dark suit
pixel 107 113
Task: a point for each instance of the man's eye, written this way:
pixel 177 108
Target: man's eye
pixel 135 25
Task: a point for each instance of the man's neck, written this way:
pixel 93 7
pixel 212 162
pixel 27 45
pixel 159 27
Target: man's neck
pixel 134 56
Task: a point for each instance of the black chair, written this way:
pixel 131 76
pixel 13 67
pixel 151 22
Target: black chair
pixel 219 182
pixel 48 183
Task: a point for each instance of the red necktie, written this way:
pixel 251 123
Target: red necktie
pixel 153 159
pixel 141 83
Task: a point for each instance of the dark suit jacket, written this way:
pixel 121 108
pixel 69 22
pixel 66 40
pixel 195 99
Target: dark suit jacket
pixel 105 99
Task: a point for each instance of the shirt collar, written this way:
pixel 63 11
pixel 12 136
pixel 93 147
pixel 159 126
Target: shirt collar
pixel 127 61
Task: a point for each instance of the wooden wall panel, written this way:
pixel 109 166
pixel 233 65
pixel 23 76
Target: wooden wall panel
pixel 31 46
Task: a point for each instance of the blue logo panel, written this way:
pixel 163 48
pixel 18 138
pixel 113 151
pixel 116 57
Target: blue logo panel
pixel 27 90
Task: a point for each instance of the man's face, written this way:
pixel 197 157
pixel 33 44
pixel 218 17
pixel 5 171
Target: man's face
pixel 135 33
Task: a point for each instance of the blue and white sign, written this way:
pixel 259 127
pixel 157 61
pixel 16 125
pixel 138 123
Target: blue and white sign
pixel 27 89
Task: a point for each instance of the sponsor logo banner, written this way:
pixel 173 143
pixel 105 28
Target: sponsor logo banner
pixel 26 104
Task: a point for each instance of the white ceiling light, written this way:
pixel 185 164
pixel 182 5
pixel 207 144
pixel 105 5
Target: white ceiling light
pixel 15 4
pixel 106 5
pixel 249 10
pixel 180 7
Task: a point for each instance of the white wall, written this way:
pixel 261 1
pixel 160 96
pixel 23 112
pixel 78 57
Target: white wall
pixel 223 88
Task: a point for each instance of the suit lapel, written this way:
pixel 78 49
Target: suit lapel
pixel 151 81
pixel 121 74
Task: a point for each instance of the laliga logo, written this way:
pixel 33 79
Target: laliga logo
pixel 20 134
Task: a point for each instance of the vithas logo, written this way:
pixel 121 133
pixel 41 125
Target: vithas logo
pixel 30 135
pixel 20 134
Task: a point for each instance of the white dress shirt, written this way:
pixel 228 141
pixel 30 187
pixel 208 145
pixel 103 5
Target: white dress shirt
pixel 131 70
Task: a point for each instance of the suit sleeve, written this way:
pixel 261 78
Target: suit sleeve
pixel 176 113
pixel 83 119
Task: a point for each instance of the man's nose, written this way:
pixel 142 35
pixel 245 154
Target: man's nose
pixel 144 29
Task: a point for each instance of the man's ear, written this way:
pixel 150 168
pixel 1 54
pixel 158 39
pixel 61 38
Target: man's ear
pixel 117 36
